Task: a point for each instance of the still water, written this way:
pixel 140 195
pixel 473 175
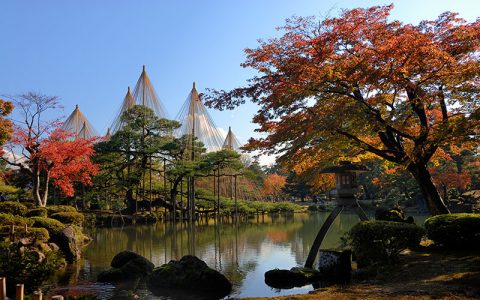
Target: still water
pixel 242 252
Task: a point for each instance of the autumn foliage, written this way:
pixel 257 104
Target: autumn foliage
pixel 67 160
pixel 360 83
pixel 272 186
pixel 47 153
pixel 5 124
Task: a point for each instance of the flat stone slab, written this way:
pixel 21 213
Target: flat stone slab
pixel 295 277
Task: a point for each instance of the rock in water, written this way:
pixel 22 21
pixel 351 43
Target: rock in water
pixel 336 265
pixel 126 265
pixel 295 277
pixel 68 242
pixel 191 274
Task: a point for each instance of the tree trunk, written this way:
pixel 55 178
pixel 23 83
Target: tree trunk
pixel 36 188
pixel 434 201
pixel 131 202
pixel 45 189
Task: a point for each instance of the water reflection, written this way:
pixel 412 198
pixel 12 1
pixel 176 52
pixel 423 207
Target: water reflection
pixel 243 252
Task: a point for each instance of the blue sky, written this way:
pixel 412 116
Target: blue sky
pixel 87 52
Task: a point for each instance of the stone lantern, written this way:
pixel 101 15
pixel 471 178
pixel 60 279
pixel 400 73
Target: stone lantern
pixel 346 193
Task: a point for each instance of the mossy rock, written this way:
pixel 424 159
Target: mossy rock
pixel 69 217
pixel 37 212
pixel 9 219
pixel 13 208
pixel 189 274
pixel 295 277
pixel 53 226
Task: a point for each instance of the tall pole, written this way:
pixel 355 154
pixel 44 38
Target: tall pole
pixel 143 135
pixel 218 194
pixel 235 196
pixel 192 179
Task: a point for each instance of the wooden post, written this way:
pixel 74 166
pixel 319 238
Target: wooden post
pixel 3 288
pixel 19 292
pixel 11 234
pixel 25 227
pixel 37 295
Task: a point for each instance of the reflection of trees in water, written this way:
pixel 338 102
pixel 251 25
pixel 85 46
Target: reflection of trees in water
pixel 232 249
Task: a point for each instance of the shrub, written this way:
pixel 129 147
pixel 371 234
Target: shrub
pixel 69 217
pixel 37 212
pixel 284 207
pixel 51 225
pixel 13 208
pixel 8 219
pixel 376 242
pixel 25 267
pixel 454 230
pixel 395 214
pixel 52 209
pixel 312 208
pixel 39 234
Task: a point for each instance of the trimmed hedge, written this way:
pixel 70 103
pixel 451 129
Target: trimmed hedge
pixel 375 242
pixel 14 208
pixel 8 219
pixel 37 212
pixel 69 217
pixel 39 234
pixel 51 225
pixel 52 209
pixel 454 230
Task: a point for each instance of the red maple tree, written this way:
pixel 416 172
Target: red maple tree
pixel 47 153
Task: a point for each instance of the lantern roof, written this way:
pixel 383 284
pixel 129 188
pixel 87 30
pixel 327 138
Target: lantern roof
pixel 345 167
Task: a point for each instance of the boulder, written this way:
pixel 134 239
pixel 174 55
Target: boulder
pixel 189 274
pixel 335 265
pixel 126 266
pixel 121 258
pixel 111 275
pixel 69 243
pixel 139 266
pixel 295 277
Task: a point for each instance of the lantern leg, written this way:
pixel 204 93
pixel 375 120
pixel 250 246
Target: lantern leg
pixel 321 235
pixel 360 212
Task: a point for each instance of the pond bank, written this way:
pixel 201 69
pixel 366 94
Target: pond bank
pixel 419 275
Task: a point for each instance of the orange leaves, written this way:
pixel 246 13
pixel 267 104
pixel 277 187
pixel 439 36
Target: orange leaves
pixel 67 160
pixel 273 185
pixel 6 108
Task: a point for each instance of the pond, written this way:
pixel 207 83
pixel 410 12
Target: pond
pixel 242 252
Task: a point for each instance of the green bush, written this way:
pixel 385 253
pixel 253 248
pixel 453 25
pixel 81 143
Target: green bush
pixel 312 208
pixel 26 267
pixel 454 230
pixel 284 207
pixel 375 242
pixel 14 208
pixel 8 219
pixel 51 225
pixel 37 212
pixel 69 217
pixel 52 209
pixel 39 234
